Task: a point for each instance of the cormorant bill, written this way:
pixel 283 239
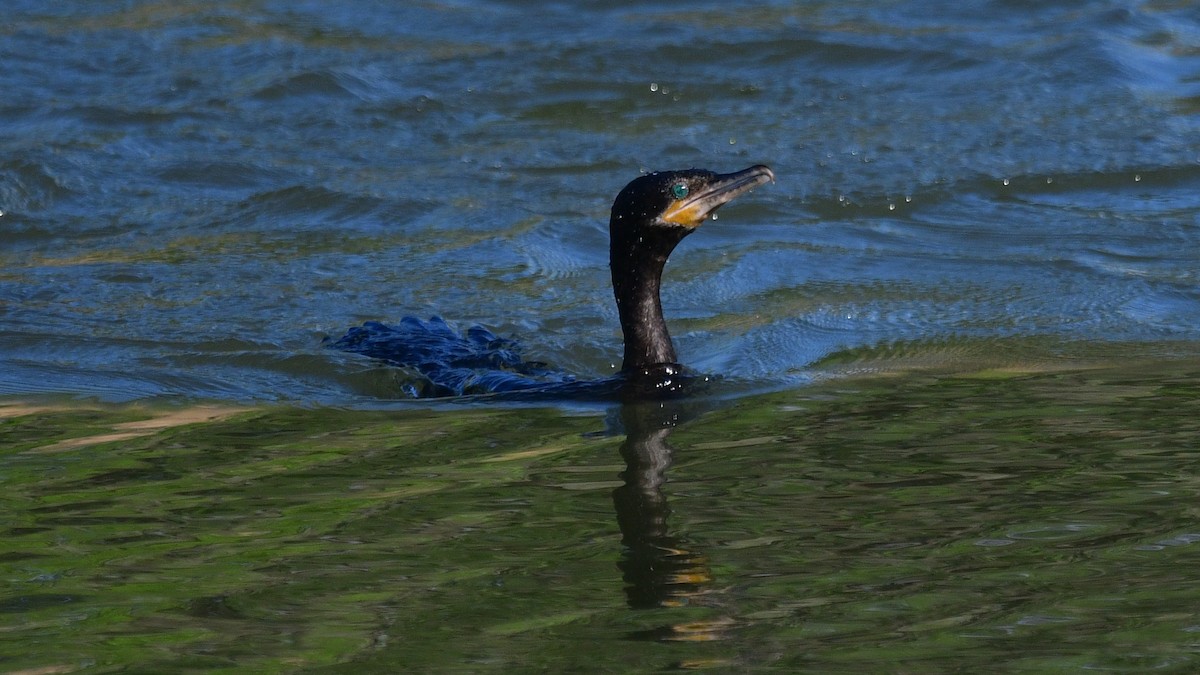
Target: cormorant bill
pixel 649 218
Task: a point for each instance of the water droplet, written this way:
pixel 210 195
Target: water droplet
pixel 653 86
pixel 1049 180
pixel 1006 181
pixel 907 199
pixel 1137 178
pixel 714 216
pixel 891 207
pixel 733 141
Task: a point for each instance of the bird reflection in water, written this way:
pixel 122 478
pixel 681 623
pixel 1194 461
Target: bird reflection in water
pixel 660 569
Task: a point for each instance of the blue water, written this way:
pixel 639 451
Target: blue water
pixel 195 194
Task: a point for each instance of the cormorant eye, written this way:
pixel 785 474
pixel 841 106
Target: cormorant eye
pixel 679 190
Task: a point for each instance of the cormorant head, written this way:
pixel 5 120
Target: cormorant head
pixel 681 200
pixel 649 218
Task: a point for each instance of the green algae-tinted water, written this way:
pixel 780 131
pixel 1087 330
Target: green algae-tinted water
pixel 1042 522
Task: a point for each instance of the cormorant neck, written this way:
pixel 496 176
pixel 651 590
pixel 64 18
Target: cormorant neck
pixel 636 259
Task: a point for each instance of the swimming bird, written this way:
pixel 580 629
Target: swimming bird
pixel 649 217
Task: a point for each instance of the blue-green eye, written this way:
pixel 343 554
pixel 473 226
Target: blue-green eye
pixel 679 190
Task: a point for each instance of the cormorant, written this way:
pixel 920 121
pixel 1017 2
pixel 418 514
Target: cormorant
pixel 650 216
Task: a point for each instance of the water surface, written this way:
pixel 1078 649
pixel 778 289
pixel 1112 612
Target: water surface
pixel 193 196
pixel 1011 522
pixel 957 341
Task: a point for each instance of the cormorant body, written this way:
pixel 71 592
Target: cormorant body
pixel 649 218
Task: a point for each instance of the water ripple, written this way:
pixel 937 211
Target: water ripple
pixel 172 174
